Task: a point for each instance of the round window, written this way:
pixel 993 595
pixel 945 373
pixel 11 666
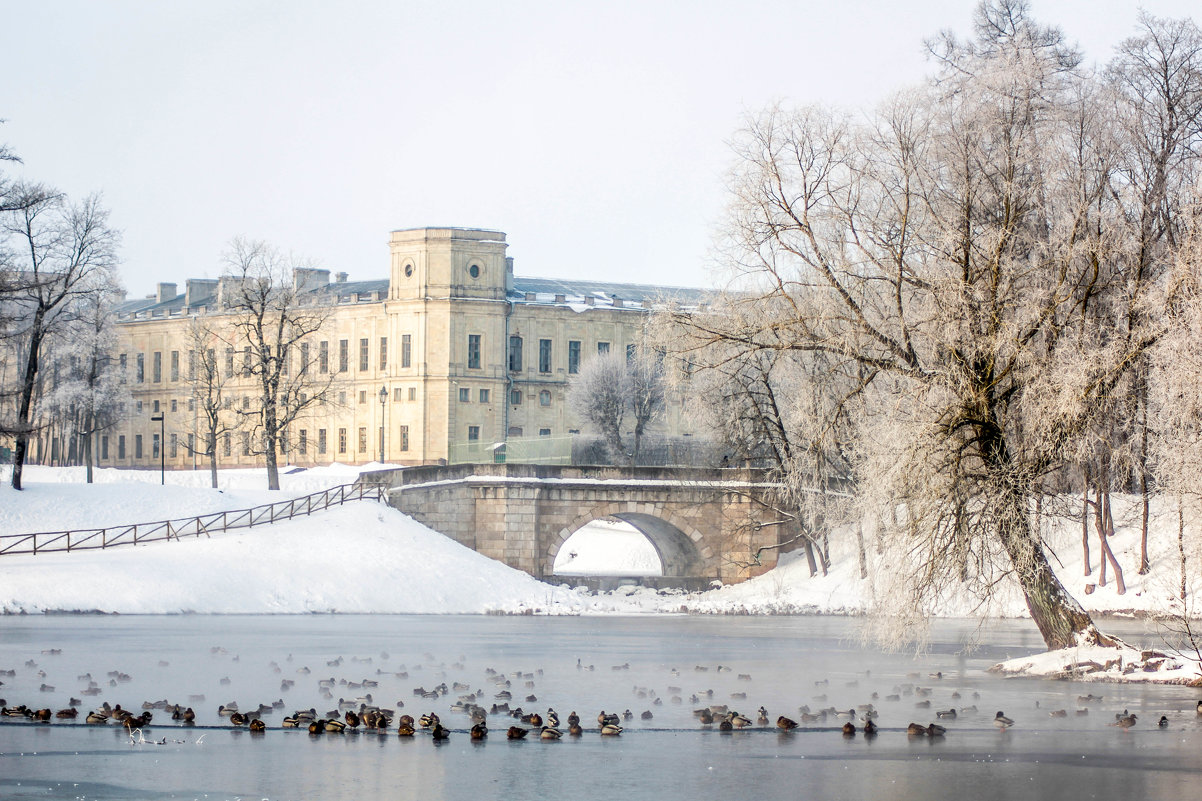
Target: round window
pixel 408 270
pixel 474 271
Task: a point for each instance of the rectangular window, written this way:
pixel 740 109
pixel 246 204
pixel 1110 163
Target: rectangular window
pixel 225 444
pixel 191 365
pixel 191 404
pixel 363 344
pixel 245 443
pixel 484 393
pixel 174 405
pixel 321 440
pixel 398 394
pixel 465 395
pixel 544 432
pixel 544 398
pixel 344 355
pixel 602 348
pixel 246 403
pixel 342 440
pixel 246 360
pixel 141 373
pixel 323 357
pixel 304 362
pixel 342 399
pixel 174 446
pixel 473 433
pixel 175 365
pixel 473 351
pixel 573 356
pixel 157 369
pixel 156 407
pixel 629 352
pixel 515 354
pixel 124 365
pixel 282 353
pixel 363 396
pixel 544 355
pixel 406 349
pixel 229 362
pixel 404 438
pixel 191 443
pixel 121 446
pixel 137 446
pixel 139 407
pixel 383 353
pixel 362 439
pixel 302 444
pixel 412 393
pixel 104 447
pixel 515 397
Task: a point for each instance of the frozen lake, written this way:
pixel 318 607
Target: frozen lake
pixel 788 662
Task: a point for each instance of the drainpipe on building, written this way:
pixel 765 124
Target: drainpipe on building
pixel 508 377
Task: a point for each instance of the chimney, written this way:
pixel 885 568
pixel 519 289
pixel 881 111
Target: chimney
pixel 306 279
pixel 164 292
pixel 561 298
pixel 339 278
pixel 198 290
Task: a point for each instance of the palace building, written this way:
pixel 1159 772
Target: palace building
pixel 451 358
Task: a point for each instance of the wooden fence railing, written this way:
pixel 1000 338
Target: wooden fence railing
pixel 200 525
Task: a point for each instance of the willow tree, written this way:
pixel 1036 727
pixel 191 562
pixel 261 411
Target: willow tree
pixel 958 260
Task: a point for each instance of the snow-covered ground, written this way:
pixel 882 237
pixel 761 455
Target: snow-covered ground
pixel 364 557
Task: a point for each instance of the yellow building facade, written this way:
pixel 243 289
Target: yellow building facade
pixel 450 358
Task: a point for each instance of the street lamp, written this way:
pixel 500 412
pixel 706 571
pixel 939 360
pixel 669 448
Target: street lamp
pixel 157 417
pixel 383 398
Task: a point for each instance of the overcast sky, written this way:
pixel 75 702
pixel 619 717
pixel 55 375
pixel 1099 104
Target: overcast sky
pixel 594 134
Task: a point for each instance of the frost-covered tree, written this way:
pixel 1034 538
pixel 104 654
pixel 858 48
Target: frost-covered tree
pixel 613 391
pixel 60 253
pixel 963 263
pixel 273 314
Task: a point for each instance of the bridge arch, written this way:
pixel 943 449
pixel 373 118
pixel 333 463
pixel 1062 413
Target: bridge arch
pixel 679 545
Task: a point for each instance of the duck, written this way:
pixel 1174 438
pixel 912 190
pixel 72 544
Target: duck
pixel 573 718
pixel 1058 713
pixel 405 729
pixel 726 725
pixel 950 714
pixel 916 730
pixel 849 729
pixel 1001 721
pixel 604 719
pixel 575 730
pixel 1164 722
pixel 737 720
pixel 611 730
pixel 318 726
pixel 478 732
pixel 646 715
pixel 290 722
pixel 97 718
pixel 257 726
pixel 706 717
pixel 238 719
pixel 428 720
pixel 552 718
pixel 335 726
pixel 1126 721
pixel 869 728
pixel 516 733
pixel 935 730
pixel 440 733
pixel 351 719
pixel 550 733
pixel 627 715
pixel 69 712
pixel 785 724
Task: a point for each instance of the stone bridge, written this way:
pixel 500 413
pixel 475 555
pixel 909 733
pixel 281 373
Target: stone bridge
pixel 704 523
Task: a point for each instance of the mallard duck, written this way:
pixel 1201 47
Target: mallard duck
pixel 706 717
pixel 257 726
pixel 478 731
pixel 726 725
pixel 1164 722
pixel 575 730
pixel 439 732
pixel 950 714
pixel 1002 722
pixel 935 730
pixel 335 726
pixel 646 715
pixel 573 718
pixel 317 726
pixel 550 733
pixel 98 718
pixel 69 712
pixel 1126 721
pixel 405 729
pixel 1058 713
pixel 916 730
pixel 611 730
pixel 849 729
pixel 351 719
pixel 238 719
pixel 552 718
pixel 869 728
pixel 737 720
pixel 516 733
pixel 428 720
pixel 785 724
pixel 604 719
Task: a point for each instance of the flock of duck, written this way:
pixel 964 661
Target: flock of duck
pixel 363 714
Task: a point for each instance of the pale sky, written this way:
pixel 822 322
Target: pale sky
pixel 594 134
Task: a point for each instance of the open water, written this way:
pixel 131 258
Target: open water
pixel 654 664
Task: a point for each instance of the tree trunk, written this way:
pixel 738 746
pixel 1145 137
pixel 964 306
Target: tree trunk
pixel 1181 543
pixel 213 459
pixel 1101 515
pixel 87 454
pixel 25 400
pixel 813 563
pixel 863 554
pixel 1085 525
pixel 1144 566
pixel 1118 570
pixel 1100 527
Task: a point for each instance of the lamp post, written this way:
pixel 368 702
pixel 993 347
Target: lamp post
pixel 158 417
pixel 383 398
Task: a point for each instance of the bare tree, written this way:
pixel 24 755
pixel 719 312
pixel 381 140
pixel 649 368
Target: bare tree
pixel 68 250
pixel 272 315
pixel 208 383
pixel 611 391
